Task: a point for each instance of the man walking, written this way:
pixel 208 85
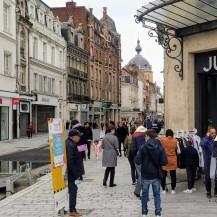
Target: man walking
pixel 151 157
pixel 207 145
pixel 75 169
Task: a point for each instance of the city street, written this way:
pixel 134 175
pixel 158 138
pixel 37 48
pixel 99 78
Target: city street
pixel 96 201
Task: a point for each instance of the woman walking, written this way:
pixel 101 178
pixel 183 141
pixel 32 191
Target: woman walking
pixel 128 145
pixel 169 144
pixel 110 153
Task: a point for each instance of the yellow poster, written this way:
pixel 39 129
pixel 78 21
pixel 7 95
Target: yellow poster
pixel 58 162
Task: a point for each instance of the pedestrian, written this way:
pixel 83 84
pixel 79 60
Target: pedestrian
pixel 110 154
pixel 29 130
pixel 169 144
pixel 67 125
pixel 88 137
pixel 96 147
pixel 148 124
pixel 83 142
pixel 151 157
pixel 191 162
pixel 156 126
pixel 207 146
pixel 138 141
pixel 128 144
pixel 121 134
pixel 75 169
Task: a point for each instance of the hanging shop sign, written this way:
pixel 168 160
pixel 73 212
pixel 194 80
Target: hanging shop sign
pixel 15 101
pixel 58 162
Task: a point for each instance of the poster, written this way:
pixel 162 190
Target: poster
pixel 58 162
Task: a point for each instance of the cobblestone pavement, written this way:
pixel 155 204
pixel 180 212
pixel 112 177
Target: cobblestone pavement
pixel 97 201
pixel 22 144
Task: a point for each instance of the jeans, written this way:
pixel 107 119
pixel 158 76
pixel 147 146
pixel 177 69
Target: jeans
pixel 88 149
pixel 73 189
pixel 191 175
pixel 138 184
pixel 173 179
pixel 156 193
pixel 134 174
pixel 208 182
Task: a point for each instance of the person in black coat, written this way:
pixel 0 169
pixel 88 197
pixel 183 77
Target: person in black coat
pixel 121 134
pixel 88 136
pixel 191 162
pixel 74 167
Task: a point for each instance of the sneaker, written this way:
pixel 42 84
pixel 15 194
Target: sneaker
pixel 144 216
pixel 194 189
pixel 188 191
pixel 158 216
pixel 164 192
pixel 173 192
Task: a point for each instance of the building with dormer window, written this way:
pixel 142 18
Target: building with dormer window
pixel 47 52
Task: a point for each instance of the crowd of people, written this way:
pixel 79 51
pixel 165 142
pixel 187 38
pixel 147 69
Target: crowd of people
pixel 151 157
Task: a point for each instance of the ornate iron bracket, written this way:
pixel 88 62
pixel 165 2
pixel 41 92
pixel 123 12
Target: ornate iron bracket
pixel 166 37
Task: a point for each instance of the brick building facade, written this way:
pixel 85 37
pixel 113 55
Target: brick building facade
pixel 103 43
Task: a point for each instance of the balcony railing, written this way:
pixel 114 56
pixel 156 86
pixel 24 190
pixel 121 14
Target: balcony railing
pixel 77 97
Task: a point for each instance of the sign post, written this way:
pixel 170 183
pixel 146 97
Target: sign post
pixel 58 163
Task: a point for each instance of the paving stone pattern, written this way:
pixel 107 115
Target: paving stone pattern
pixel 94 200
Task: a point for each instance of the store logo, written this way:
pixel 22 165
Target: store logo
pixel 212 64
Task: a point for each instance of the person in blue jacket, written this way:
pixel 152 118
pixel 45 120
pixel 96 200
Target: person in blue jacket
pixel 207 146
pixel 75 168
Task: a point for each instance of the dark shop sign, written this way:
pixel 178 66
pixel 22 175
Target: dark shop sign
pixel 206 62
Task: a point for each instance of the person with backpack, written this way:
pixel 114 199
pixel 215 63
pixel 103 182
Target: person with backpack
pixel 128 145
pixel 151 157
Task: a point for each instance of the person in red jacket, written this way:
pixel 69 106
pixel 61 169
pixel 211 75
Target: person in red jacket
pixel 29 130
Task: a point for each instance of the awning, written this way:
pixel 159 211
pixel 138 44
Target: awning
pixel 180 15
pixel 170 20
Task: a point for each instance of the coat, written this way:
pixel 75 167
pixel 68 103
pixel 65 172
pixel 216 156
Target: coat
pixel 75 164
pixel 190 157
pixel 151 157
pixel 109 146
pixel 170 146
pixel 128 144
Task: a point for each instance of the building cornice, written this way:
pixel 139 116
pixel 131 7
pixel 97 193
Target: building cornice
pixel 47 66
pixel 5 36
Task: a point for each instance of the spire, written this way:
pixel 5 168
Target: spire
pixel 138 47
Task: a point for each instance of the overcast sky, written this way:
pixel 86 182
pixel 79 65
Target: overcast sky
pixel 122 12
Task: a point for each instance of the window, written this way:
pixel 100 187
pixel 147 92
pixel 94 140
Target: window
pixel 22 75
pixel 60 86
pixel 7 63
pixel 45 84
pixel 45 51
pixel 6 17
pixel 49 85
pixel 60 58
pixel 53 86
pixel 53 55
pixel 22 44
pixel 32 12
pixel 41 83
pixel 35 81
pixel 41 18
pixel 35 48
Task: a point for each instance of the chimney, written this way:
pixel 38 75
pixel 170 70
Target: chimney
pixel 70 4
pixel 91 11
pixel 104 12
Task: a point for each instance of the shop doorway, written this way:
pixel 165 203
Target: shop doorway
pixel 207 102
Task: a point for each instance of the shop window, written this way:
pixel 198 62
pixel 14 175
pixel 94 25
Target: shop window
pixel 4 126
pixel 7 63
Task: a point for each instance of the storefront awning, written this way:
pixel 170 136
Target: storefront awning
pixel 181 14
pixel 170 20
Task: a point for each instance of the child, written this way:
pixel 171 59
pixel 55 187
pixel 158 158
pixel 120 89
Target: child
pixel 96 147
pixel 191 161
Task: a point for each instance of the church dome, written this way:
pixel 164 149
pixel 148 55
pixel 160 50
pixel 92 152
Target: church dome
pixel 139 60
